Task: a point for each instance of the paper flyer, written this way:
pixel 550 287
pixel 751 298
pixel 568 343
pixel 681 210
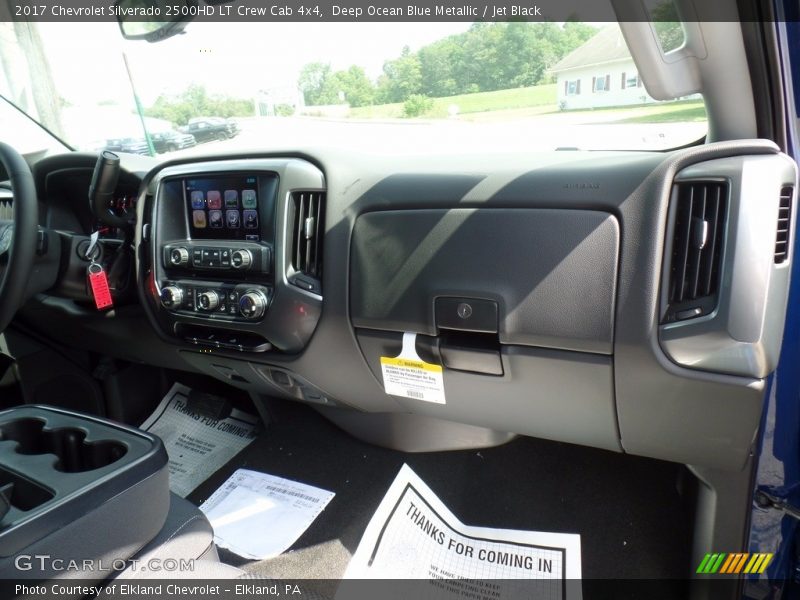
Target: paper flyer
pixel 197 445
pixel 259 516
pixel 413 535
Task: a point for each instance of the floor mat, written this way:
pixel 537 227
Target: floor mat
pixel 632 521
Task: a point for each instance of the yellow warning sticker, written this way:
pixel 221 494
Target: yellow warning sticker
pixel 409 377
pixel 410 364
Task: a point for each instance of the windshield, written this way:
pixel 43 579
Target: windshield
pixel 380 87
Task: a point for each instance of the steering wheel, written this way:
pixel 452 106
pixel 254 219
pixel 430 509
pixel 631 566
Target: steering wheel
pixel 17 237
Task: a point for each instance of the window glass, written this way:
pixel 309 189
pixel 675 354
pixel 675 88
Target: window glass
pixel 367 85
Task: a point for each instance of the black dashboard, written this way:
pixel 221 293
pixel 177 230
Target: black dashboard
pixel 544 285
pixel 232 245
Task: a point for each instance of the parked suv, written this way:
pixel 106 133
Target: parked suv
pixel 129 145
pixel 169 141
pixel 210 128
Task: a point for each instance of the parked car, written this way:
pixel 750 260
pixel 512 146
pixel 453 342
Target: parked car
pixel 129 145
pixel 206 129
pixel 236 127
pixel 170 141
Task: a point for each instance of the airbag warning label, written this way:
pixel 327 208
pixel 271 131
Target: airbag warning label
pixel 413 379
pixel 408 376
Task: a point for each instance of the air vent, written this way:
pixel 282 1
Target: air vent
pixel 308 226
pixel 696 249
pixel 6 205
pixel 784 221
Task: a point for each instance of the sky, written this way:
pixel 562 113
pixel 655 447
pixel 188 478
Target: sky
pixel 235 59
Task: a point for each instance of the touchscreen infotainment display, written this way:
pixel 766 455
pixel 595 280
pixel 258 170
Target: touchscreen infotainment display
pixel 224 208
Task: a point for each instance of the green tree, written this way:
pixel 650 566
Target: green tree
pixel 357 88
pixel 317 85
pixel 475 67
pixel 529 52
pixel 401 78
pixel 573 34
pixel 196 102
pixel 494 56
pixel 437 62
pixel 417 105
pixel 486 57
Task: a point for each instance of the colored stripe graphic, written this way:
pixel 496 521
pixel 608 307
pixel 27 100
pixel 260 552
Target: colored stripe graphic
pixel 710 563
pixel 740 564
pixel 703 563
pixel 763 566
pixel 717 564
pixel 727 564
pixel 753 563
pixel 734 563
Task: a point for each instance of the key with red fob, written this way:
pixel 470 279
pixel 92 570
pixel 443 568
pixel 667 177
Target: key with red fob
pixel 98 286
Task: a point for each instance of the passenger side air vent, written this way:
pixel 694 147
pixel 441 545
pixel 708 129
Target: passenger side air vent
pixel 784 220
pixel 308 225
pixel 696 252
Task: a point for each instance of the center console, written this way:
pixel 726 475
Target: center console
pixel 71 485
pixel 235 247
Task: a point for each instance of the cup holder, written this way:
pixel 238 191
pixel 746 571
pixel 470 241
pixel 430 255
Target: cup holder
pixel 75 455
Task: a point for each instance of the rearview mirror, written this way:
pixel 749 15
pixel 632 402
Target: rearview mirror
pixel 153 20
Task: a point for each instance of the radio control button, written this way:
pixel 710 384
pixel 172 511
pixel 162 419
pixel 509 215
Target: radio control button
pixel 208 300
pixel 171 296
pixel 241 259
pixel 179 257
pixel 225 258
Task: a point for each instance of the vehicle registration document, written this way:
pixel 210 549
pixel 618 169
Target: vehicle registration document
pixel 413 535
pixel 259 516
pixel 197 445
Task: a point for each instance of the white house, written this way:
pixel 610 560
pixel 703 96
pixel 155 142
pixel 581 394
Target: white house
pixel 599 73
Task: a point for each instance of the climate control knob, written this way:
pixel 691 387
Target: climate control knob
pixel 171 296
pixel 179 257
pixel 208 300
pixel 241 259
pixel 253 304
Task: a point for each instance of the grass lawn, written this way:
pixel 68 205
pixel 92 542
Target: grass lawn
pixel 539 95
pixel 529 102
pixel 377 111
pixel 670 113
